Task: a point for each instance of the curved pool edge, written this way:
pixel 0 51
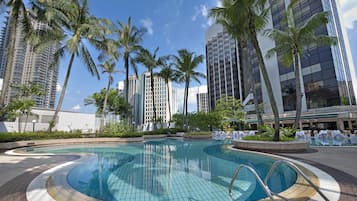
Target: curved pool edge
pixel 40 190
pixel 52 185
pixel 326 183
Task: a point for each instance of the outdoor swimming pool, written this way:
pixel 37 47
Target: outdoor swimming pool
pixel 170 170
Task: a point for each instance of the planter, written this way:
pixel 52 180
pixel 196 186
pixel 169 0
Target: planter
pixel 266 146
pixel 154 136
pixel 198 136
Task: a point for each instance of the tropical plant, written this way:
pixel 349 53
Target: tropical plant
pixel 291 43
pixel 168 74
pixel 109 68
pixel 231 111
pixel 75 29
pixel 186 63
pixel 150 61
pixel 244 19
pixel 129 39
pixel 18 16
pixel 115 104
pixel 22 104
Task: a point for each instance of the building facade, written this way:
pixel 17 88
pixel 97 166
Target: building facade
pixel 134 97
pixel 328 74
pixel 160 97
pixel 29 66
pixel 202 102
pixel 223 70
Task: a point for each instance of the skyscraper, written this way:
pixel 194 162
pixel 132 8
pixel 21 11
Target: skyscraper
pixel 223 72
pixel 328 73
pixel 29 66
pixel 134 98
pixel 160 97
pixel 202 102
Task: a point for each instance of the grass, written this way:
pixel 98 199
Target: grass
pixel 268 138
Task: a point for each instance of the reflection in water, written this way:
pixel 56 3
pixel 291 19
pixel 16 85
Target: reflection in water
pixel 173 170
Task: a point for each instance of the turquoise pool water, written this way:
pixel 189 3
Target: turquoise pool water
pixel 170 170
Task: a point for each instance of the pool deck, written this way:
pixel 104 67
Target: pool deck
pixel 16 172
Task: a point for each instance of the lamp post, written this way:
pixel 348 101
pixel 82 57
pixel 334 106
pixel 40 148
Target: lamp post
pixel 33 125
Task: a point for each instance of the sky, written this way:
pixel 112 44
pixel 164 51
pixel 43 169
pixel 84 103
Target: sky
pixel 171 25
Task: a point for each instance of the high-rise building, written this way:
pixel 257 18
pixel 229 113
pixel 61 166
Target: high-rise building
pixel 160 97
pixel 328 73
pixel 29 66
pixel 202 102
pixel 223 72
pixel 134 98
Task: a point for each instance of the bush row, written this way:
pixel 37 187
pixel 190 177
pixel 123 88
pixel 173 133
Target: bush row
pixel 163 131
pixel 12 137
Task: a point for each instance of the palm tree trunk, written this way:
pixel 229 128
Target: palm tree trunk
pixel 187 85
pixel 27 118
pixel 254 40
pixel 9 61
pixel 60 101
pixel 153 99
pixel 104 112
pixel 298 89
pixel 19 123
pixel 250 74
pixel 126 87
pixel 183 108
pixel 168 101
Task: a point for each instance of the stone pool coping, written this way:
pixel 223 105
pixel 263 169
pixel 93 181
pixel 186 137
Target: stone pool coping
pixel 18 144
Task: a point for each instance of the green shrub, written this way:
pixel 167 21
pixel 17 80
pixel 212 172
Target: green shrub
pixel 126 134
pixel 197 133
pixel 268 138
pixel 12 137
pixel 287 132
pixel 164 131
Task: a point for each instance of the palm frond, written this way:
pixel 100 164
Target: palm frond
pixel 88 60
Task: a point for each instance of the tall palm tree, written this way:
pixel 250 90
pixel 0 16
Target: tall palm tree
pixel 150 61
pixel 232 26
pixel 291 43
pixel 109 68
pixel 77 28
pixel 167 73
pixel 129 39
pixel 18 17
pixel 186 63
pixel 251 16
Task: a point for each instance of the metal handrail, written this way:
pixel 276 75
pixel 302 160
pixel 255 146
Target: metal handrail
pixel 265 187
pixel 290 164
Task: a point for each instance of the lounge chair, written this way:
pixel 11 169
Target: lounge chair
pixel 338 139
pixel 322 138
pixel 353 138
pixel 300 136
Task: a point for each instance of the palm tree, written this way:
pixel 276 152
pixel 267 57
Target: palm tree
pixel 150 61
pixel 167 73
pixel 77 28
pixel 18 16
pixel 186 63
pixel 129 39
pixel 291 43
pixel 232 26
pixel 250 16
pixel 108 67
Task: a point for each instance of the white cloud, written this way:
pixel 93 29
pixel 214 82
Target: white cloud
pixel 147 23
pixel 349 12
pixel 76 107
pixel 58 87
pixel 200 10
pixel 219 3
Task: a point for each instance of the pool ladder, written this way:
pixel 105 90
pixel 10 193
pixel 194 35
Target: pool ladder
pixel 264 184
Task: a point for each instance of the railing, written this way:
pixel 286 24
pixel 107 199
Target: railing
pixel 290 164
pixel 265 187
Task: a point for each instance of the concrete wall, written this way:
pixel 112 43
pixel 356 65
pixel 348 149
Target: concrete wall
pixel 67 121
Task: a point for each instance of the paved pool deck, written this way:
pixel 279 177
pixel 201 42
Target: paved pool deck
pixel 16 172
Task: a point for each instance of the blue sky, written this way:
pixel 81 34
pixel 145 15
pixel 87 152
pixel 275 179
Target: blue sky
pixel 172 25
